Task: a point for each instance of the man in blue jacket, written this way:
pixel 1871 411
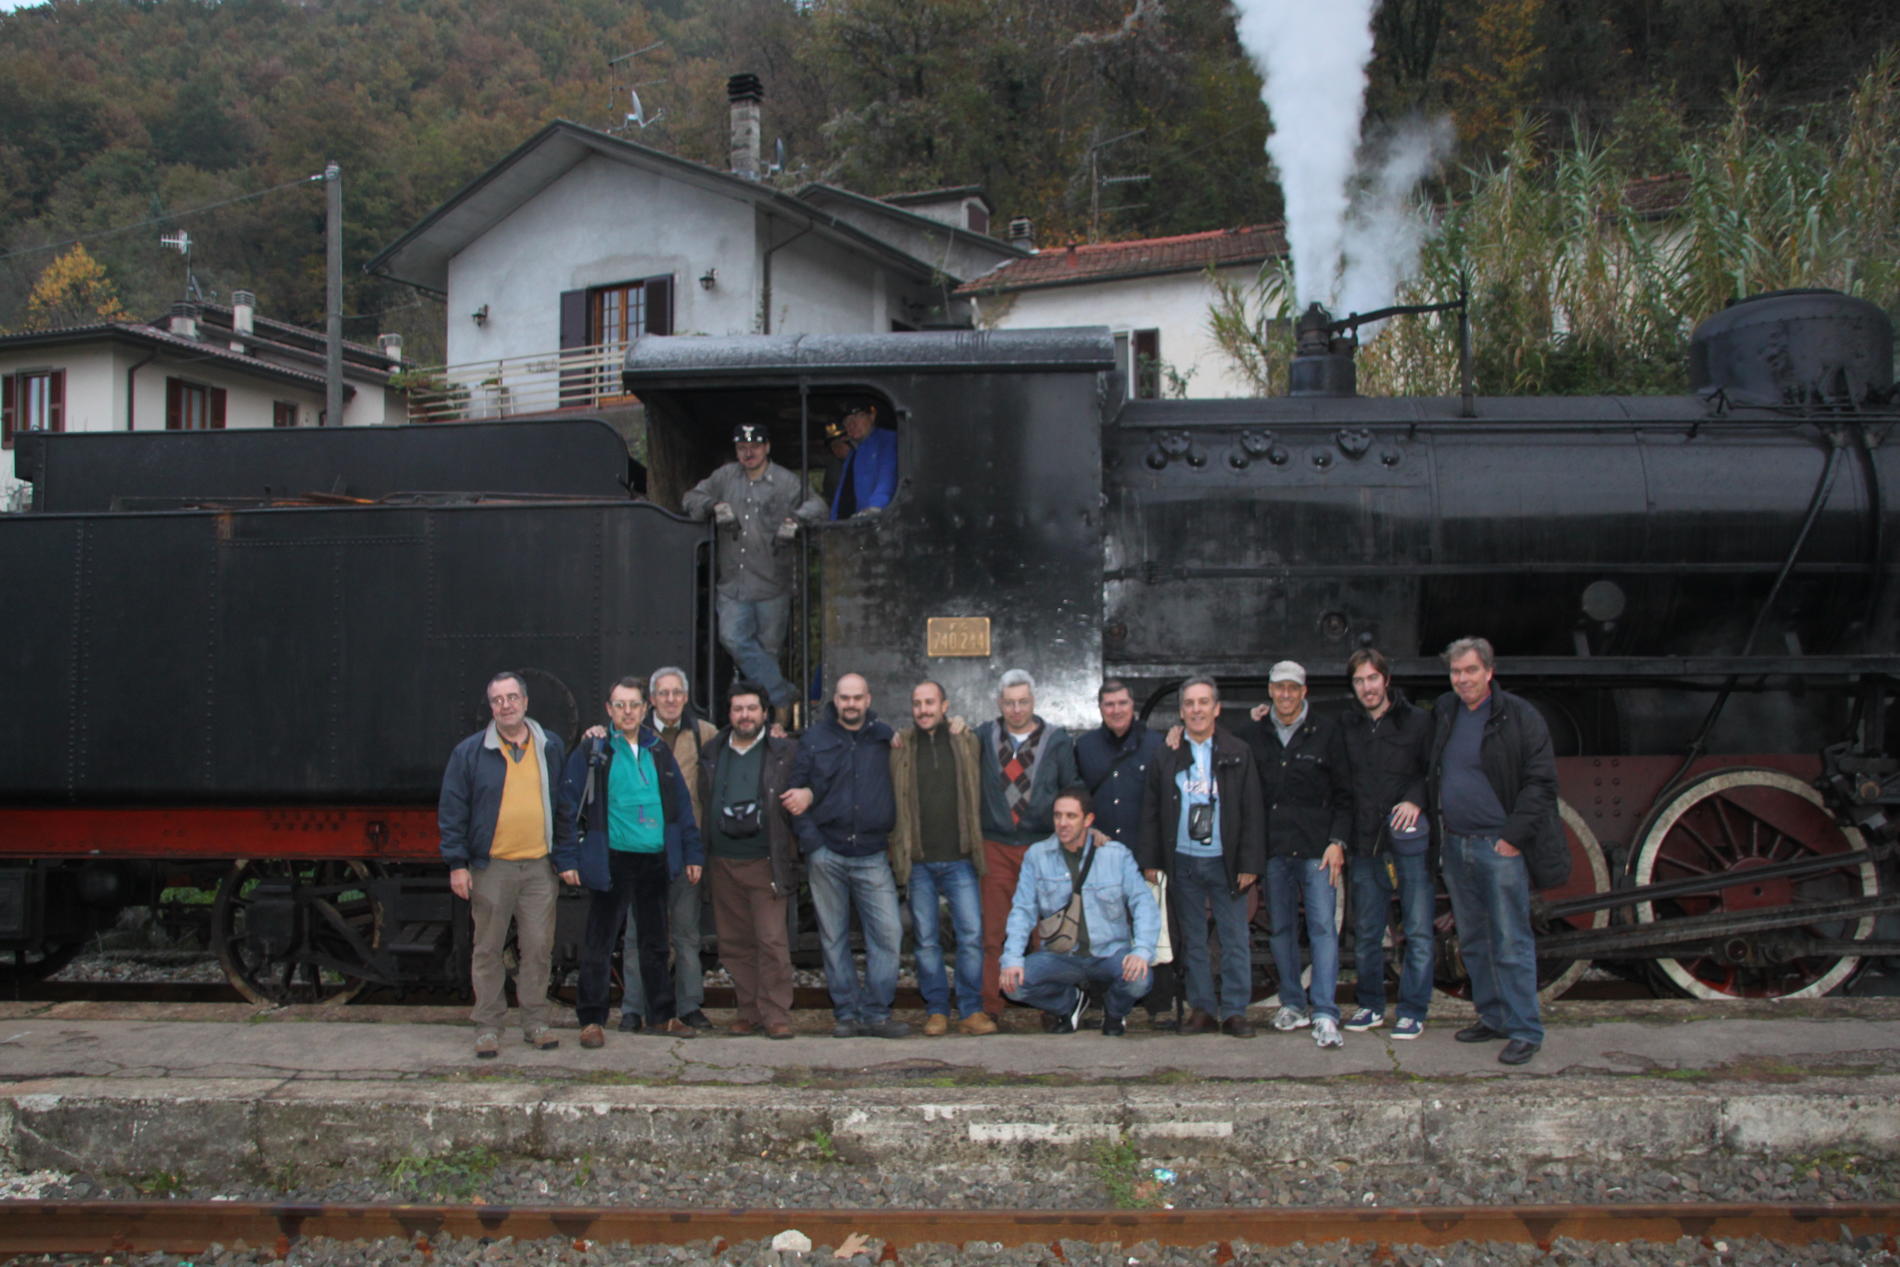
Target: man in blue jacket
pixel 635 821
pixel 1112 944
pixel 499 817
pixel 844 811
pixel 869 478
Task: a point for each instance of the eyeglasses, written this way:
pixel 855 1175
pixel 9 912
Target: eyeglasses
pixel 513 697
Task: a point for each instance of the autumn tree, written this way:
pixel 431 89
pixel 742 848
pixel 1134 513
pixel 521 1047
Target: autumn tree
pixel 72 291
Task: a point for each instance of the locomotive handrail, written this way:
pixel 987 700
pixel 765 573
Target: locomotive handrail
pixel 1706 884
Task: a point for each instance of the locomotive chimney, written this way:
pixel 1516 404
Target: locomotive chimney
pixel 1322 360
pixel 745 93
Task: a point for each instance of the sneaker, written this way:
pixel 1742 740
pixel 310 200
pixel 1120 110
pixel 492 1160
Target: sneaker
pixel 845 1029
pixel 541 1038
pixel 487 1045
pixel 1053 1024
pixel 886 1028
pixel 1075 1013
pixel 1114 1026
pixel 697 1019
pixel 1326 1032
pixel 1362 1020
pixel 1408 1028
pixel 593 1037
pixel 1288 1019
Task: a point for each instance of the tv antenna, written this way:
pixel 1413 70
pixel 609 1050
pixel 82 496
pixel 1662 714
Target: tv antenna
pixel 635 115
pixel 181 243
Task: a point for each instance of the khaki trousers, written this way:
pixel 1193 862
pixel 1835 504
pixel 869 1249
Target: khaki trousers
pixel 524 892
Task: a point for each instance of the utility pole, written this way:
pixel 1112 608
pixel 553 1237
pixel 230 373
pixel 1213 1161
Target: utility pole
pixel 333 297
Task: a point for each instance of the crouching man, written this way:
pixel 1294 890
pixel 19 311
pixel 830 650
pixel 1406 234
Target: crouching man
pixel 1110 943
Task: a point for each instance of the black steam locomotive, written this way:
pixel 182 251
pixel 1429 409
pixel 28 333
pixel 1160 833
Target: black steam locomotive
pixel 1696 592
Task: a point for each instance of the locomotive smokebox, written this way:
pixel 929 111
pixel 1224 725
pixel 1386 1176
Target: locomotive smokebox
pixel 1322 358
pixel 1795 347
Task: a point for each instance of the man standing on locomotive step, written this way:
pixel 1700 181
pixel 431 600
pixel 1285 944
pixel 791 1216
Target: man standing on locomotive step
pixel 1306 783
pixel 1388 743
pixel 499 819
pixel 636 831
pixel 684 734
pixel 1493 784
pixel 937 852
pixel 1201 824
pixel 1026 761
pixel 759 506
pixel 843 812
pixel 742 774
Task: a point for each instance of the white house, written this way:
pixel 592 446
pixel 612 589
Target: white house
pixel 1154 293
pixel 205 367
pixel 557 256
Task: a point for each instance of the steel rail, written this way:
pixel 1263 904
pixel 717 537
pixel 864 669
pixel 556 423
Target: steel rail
pixel 98 1227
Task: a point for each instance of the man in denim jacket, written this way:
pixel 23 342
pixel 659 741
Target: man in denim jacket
pixel 1115 942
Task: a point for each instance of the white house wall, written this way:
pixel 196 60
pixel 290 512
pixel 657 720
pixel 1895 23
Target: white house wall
pixel 819 287
pixel 1176 304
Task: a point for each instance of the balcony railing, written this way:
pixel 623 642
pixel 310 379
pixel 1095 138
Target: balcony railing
pixel 573 378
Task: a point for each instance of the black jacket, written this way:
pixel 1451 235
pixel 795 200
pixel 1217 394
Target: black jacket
pixel 1389 758
pixel 849 773
pixel 1242 834
pixel 1116 773
pixel 774 778
pixel 1306 784
pixel 1518 761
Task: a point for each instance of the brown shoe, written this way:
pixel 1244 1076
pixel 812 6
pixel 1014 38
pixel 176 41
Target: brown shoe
pixel 778 1030
pixel 673 1028
pixel 1237 1026
pixel 977 1024
pixel 487 1045
pixel 1199 1022
pixel 593 1036
pixel 541 1038
pixel 936 1025
pixel 743 1028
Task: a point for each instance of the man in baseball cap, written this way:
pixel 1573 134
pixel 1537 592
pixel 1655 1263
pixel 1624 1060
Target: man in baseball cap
pixel 869 478
pixel 759 507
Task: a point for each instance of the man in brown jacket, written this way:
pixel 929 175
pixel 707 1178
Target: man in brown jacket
pixel 684 735
pixel 937 851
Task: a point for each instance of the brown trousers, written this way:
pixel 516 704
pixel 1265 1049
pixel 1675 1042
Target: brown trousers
pixel 753 942
pixel 1002 865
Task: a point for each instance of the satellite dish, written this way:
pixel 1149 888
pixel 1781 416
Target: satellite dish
pixel 637 116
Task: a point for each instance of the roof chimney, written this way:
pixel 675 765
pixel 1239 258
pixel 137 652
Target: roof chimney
pixel 1022 232
pixel 184 319
pixel 391 344
pixel 745 93
pixel 243 314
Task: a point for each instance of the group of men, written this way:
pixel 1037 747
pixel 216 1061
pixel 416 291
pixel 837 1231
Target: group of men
pixel 1046 851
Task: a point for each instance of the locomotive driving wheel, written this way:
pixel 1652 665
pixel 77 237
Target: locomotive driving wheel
pixel 1589 873
pixel 296 932
pixel 1724 825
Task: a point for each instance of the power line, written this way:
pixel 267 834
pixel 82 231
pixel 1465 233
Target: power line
pixel 164 219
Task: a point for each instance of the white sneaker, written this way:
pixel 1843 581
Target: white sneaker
pixel 1288 1019
pixel 1326 1032
pixel 1407 1028
pixel 1362 1020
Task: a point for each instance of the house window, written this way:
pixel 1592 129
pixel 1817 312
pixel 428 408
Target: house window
pixel 35 400
pixel 193 406
pixel 618 313
pixel 609 318
pixel 283 413
pixel 976 219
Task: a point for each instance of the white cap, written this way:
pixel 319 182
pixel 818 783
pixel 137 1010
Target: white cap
pixel 1287 671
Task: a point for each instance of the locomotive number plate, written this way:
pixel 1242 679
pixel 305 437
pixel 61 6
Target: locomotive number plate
pixel 957 636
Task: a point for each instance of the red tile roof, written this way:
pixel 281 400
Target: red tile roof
pixel 1187 253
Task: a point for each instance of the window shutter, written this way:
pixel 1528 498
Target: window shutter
pixel 574 319
pixel 174 404
pixel 7 383
pixel 659 305
pixel 217 407
pixel 56 401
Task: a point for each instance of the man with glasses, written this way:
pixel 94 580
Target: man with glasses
pixel 636 830
pixel 498 819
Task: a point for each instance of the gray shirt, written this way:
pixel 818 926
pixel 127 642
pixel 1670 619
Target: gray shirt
pixel 753 564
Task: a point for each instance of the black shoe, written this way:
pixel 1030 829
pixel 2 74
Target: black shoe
pixel 1237 1026
pixel 1059 1024
pixel 697 1019
pixel 632 1022
pixel 1075 1013
pixel 1479 1033
pixel 845 1029
pixel 1113 1026
pixel 1517 1051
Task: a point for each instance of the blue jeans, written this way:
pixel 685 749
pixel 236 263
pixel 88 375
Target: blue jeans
pixel 837 882
pixel 689 979
pixel 1050 982
pixel 1372 893
pixel 1289 880
pixel 955 883
pixel 1196 885
pixel 753 634
pixel 1491 900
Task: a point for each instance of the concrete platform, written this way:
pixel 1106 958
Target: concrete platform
pixel 219 1091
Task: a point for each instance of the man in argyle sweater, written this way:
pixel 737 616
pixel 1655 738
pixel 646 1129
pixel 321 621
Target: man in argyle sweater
pixel 1025 762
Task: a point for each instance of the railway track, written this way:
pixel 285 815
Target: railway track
pixel 189 1227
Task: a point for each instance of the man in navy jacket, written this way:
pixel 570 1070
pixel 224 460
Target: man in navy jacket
pixel 635 821
pixel 844 811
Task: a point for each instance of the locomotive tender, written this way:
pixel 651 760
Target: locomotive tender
pixel 1697 593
